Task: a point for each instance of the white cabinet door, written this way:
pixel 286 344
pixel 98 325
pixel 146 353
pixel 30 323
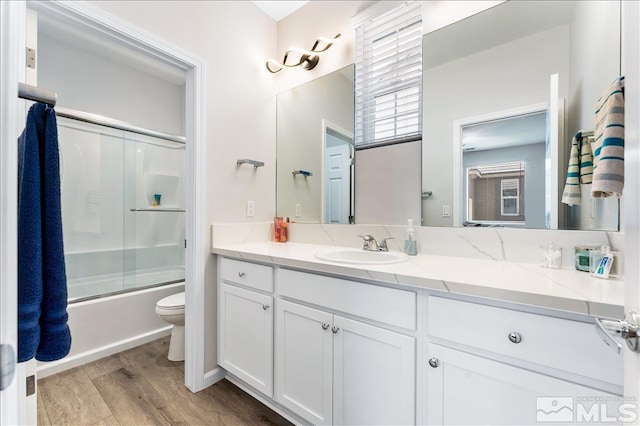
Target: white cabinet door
pixel 374 375
pixel 465 389
pixel 304 361
pixel 246 336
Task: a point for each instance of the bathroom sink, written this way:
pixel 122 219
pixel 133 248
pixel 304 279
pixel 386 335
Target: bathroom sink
pixel 355 256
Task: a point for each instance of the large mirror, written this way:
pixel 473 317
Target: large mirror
pixel 486 96
pixel 489 81
pixel 315 169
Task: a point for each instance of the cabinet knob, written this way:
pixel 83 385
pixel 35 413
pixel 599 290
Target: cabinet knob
pixel 241 274
pixel 515 337
pixel 434 362
pixel 335 329
pixel 265 307
pixel 325 326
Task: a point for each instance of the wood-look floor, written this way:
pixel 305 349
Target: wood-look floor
pixel 141 387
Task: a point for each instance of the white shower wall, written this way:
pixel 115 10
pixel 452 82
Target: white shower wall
pixel 105 174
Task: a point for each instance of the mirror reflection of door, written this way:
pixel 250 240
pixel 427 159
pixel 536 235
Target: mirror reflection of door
pixel 504 160
pixel 338 172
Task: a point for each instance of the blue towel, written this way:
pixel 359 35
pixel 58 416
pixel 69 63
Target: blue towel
pixel 43 331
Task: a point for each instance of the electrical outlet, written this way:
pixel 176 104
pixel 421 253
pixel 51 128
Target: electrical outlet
pixel 298 210
pixel 251 208
pixel 446 211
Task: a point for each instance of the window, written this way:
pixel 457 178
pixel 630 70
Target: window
pixel 510 195
pixel 388 83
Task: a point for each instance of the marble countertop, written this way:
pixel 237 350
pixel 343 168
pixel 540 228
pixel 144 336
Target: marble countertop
pixel 564 289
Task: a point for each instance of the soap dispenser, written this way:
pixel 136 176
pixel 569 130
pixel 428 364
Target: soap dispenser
pixel 410 247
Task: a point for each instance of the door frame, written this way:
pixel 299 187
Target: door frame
pixel 197 250
pixel 458 173
pixel 328 125
pixel 12 37
pixel 631 220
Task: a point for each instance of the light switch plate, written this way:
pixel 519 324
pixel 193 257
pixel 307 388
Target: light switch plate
pixel 446 211
pixel 251 208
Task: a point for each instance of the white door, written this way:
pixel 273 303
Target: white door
pixel 631 69
pixel 304 360
pixel 12 42
pixel 374 375
pixel 246 336
pixel 464 389
pixel 337 183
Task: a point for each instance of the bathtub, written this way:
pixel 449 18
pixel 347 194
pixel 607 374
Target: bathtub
pixel 112 323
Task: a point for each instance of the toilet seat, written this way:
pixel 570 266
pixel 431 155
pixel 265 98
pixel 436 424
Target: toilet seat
pixel 171 305
pixel 172 302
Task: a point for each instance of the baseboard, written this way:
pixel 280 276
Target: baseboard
pixel 214 376
pixel 49 368
pixel 293 418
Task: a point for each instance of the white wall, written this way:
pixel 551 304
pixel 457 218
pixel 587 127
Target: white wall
pixel 385 169
pixel 234 38
pixel 318 19
pixel 588 83
pixel 89 80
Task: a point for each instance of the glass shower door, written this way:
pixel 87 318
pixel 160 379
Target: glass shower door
pixel 154 228
pixel 92 172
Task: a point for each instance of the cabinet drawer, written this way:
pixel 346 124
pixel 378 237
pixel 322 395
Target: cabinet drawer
pixel 562 344
pixel 248 274
pixel 383 304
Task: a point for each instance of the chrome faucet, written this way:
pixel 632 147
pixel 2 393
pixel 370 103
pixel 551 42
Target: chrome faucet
pixel 370 243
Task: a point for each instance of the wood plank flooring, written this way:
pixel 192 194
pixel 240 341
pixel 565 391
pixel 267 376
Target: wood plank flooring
pixel 141 387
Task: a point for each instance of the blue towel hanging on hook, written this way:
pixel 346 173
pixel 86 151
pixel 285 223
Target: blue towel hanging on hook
pixel 43 331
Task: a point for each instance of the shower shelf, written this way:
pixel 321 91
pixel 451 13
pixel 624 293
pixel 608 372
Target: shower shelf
pixel 158 210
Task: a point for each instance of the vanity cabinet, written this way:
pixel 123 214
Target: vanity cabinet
pixel 466 389
pixel 245 323
pixel 334 370
pixel 490 365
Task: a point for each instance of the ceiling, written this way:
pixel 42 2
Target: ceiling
pixel 512 131
pixel 279 9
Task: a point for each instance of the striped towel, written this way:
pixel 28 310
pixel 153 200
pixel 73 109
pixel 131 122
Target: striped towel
pixel 608 147
pixel 580 168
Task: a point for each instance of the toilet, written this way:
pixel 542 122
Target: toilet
pixel 171 310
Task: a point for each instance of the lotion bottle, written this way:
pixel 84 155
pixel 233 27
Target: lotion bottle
pixel 410 247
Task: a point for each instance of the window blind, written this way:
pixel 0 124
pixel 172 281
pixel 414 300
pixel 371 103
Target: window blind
pixel 388 82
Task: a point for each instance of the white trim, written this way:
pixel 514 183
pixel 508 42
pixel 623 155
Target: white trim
pixel 328 125
pixel 214 376
pixel 293 418
pixel 197 251
pixel 50 368
pixel 376 10
pixel 457 149
pixel 554 132
pixel 13 404
pixel 631 71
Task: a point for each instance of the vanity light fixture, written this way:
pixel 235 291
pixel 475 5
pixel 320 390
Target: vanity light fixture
pixel 308 58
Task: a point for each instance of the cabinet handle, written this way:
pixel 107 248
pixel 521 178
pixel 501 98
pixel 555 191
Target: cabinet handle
pixel 515 337
pixel 241 274
pixel 434 362
pixel 325 326
pixel 265 307
pixel 335 329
